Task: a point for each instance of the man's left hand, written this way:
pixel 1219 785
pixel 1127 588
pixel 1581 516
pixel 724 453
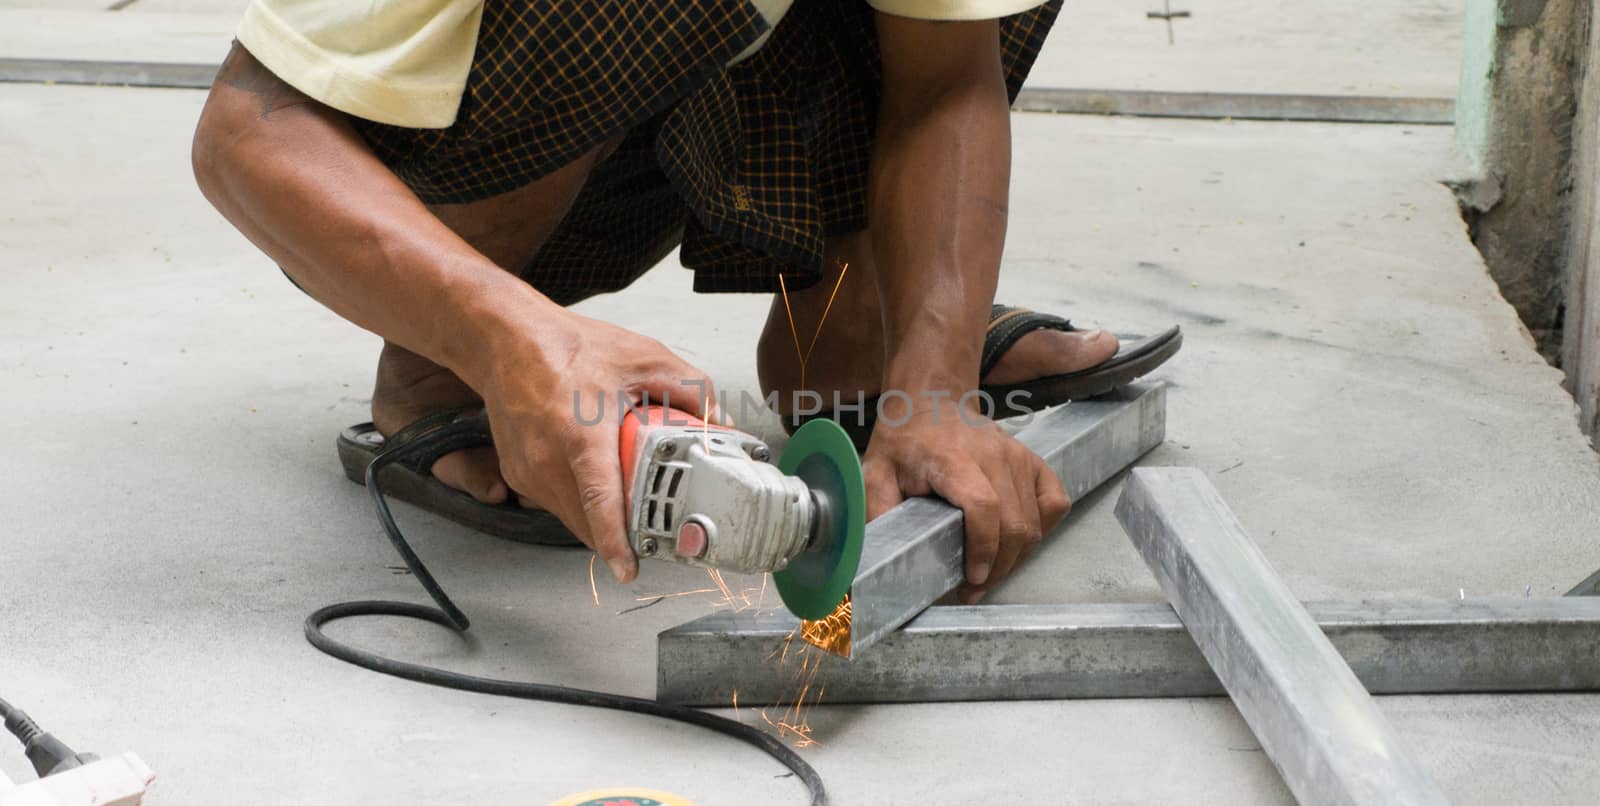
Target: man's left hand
pixel 1009 496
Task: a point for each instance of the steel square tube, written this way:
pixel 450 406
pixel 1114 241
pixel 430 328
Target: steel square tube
pixel 1311 715
pixel 1084 651
pixel 912 555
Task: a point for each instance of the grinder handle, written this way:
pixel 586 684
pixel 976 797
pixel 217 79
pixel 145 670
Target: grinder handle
pixel 636 421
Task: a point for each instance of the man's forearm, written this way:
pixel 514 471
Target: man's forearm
pixel 937 206
pixel 298 181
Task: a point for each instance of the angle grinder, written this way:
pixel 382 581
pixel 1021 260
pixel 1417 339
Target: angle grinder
pixel 709 496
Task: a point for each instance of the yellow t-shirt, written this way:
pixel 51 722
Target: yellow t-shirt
pixel 405 62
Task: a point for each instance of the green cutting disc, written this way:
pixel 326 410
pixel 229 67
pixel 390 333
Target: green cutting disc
pixel 822 456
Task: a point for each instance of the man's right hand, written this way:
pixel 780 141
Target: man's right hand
pixel 298 180
pixel 542 390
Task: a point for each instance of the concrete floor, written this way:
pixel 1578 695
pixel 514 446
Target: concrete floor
pixel 1272 46
pixel 1320 47
pixel 1352 382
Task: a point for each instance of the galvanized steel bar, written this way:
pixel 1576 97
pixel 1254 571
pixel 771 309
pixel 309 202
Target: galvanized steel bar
pixel 108 73
pixel 1082 651
pixel 1312 716
pixel 912 554
pixel 1238 106
pixel 1143 103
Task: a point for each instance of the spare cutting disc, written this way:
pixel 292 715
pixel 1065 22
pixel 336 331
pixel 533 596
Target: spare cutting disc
pixel 821 455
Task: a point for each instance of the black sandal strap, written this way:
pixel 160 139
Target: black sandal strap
pixel 468 427
pixel 1007 325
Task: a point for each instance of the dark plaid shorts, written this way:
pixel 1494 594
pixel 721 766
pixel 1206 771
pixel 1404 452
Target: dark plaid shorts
pixel 748 167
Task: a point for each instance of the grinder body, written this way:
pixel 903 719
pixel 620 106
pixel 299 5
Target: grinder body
pixel 705 495
pixel 708 496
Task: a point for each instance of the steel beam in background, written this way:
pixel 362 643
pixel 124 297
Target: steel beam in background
pixel 1237 106
pixel 912 555
pixel 128 74
pixel 1311 715
pixel 1203 105
pixel 1083 651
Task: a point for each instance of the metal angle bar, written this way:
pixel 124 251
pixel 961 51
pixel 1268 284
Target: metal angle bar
pixel 1103 651
pixel 912 555
pixel 1311 715
pixel 129 74
pixel 1237 105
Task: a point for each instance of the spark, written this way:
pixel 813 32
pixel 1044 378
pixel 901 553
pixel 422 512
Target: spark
pixel 786 640
pixel 716 576
pixel 799 701
pixel 800 697
pixel 763 596
pixel 810 678
pixel 843 267
pixel 802 732
pixel 794 331
pixel 792 719
pixel 831 634
pixel 592 589
pixel 724 595
pixel 805 355
pixel 736 716
pixel 802 725
pixel 679 593
pixel 740 601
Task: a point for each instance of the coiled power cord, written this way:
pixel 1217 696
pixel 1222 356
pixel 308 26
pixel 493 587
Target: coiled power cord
pixel 465 433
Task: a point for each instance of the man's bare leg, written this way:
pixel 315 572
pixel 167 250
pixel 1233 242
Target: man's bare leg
pixel 848 356
pixel 508 229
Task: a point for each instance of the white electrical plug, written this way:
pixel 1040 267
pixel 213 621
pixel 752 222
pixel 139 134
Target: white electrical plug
pixel 117 781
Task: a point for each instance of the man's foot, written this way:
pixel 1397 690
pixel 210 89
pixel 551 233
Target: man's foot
pixel 848 354
pixel 1043 353
pixel 410 387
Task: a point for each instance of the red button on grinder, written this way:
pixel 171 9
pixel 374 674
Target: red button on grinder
pixel 691 539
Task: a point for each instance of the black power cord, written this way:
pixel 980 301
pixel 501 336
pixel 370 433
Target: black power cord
pixel 464 433
pixel 48 754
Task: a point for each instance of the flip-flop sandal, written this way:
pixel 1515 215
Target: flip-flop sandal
pixel 1136 357
pixel 410 480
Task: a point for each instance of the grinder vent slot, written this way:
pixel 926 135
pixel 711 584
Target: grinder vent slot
pixel 661 497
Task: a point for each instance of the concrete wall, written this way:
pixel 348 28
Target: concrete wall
pixel 1476 92
pixel 1522 61
pixel 1528 124
pixel 1580 354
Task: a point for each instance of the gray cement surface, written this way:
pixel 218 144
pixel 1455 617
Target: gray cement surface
pixel 172 506
pixel 72 32
pixel 1251 46
pixel 1268 46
